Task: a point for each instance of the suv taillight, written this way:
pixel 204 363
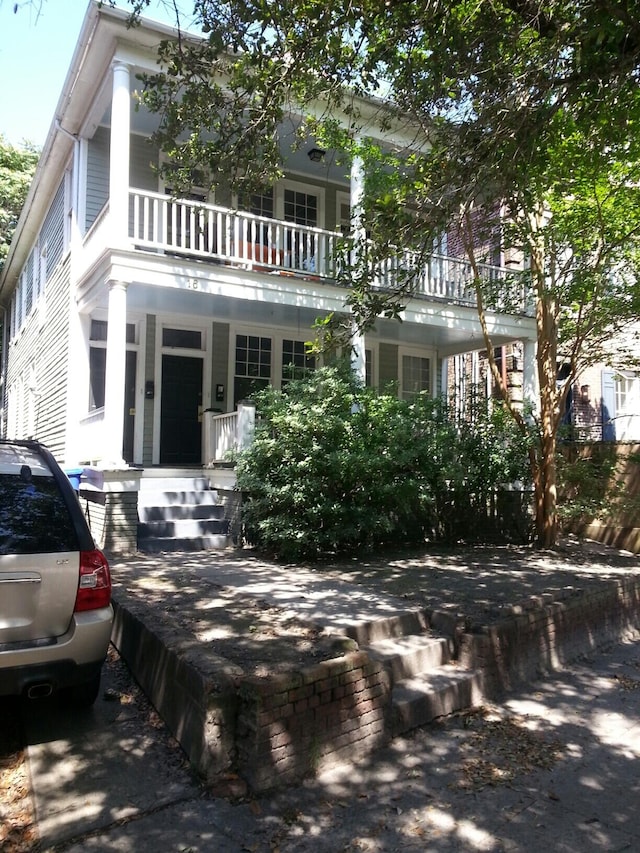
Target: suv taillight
pixel 94 585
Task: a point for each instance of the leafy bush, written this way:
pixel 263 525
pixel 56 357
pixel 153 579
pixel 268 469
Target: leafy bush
pixel 337 468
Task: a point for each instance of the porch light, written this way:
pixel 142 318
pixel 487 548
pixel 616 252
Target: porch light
pixel 316 155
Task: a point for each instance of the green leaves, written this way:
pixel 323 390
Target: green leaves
pixel 336 468
pixel 17 166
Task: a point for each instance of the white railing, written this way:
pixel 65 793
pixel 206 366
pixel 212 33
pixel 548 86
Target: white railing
pixel 451 279
pixel 225 433
pixel 191 228
pixel 231 236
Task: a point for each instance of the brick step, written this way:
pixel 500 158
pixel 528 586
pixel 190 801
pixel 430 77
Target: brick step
pixel 411 655
pixel 423 698
pixel 398 625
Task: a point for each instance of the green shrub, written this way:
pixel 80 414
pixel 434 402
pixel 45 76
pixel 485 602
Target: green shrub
pixel 337 468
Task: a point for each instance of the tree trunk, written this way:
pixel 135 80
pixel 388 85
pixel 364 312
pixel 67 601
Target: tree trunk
pixel 547 334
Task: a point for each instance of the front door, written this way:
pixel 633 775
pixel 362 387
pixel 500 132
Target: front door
pixel 129 407
pixel 180 411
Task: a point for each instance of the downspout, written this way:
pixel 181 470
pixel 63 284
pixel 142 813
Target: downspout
pixel 68 133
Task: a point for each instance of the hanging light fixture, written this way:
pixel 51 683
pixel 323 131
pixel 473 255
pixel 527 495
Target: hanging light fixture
pixel 316 155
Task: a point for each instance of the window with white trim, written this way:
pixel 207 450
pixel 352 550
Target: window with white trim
pixel 98 360
pixel 296 361
pixel 253 365
pixel 416 376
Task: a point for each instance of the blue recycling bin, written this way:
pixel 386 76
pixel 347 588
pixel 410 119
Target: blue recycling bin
pixel 74 475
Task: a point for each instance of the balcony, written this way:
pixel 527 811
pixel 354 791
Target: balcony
pixel 193 229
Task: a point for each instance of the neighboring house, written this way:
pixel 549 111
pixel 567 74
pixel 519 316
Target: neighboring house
pixel 604 405
pixel 135 323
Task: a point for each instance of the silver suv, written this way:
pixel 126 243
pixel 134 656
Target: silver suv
pixel 55 586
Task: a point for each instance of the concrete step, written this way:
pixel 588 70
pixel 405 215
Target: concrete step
pixel 171 512
pixel 163 481
pixel 423 698
pixel 183 528
pixel 411 655
pixel 176 496
pixel 158 544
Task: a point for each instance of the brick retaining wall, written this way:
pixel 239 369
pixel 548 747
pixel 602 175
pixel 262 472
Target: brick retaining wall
pixel 550 635
pixel 271 730
pixel 277 729
pixel 289 726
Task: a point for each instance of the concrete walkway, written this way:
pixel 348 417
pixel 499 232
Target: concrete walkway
pixel 553 769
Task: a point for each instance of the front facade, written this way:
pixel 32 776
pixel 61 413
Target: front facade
pixel 135 322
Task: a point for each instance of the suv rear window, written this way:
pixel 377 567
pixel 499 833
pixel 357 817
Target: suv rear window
pixel 34 518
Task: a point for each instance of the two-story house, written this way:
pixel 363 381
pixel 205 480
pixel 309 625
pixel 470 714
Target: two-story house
pixel 136 322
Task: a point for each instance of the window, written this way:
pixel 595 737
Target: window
pixel 301 208
pixel 98 360
pixel 252 365
pixel 255 233
pixel 625 387
pixel 97 373
pixel 14 314
pixel 34 518
pixel 343 217
pixel 28 275
pixel 261 204
pixel 182 338
pixel 296 362
pixel 40 279
pixel 416 375
pixel 20 303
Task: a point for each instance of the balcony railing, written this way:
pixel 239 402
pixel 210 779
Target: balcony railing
pixel 194 229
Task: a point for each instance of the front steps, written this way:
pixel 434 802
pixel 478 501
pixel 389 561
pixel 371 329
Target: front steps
pixel 179 512
pixel 425 682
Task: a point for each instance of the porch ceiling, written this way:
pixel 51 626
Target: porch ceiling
pixel 450 332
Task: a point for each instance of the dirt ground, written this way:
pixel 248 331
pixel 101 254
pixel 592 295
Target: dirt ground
pixel 485 583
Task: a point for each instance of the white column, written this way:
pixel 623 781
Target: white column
pixel 358 357
pixel 119 156
pixel 114 385
pixel 530 382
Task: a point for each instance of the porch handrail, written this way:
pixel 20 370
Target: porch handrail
pixel 189 227
pixel 226 432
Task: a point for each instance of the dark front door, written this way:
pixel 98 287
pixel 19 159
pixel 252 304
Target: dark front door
pixel 129 407
pixel 180 427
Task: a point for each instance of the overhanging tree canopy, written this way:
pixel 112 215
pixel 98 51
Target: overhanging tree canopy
pixel 532 112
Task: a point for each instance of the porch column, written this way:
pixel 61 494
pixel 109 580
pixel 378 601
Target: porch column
pixel 114 384
pixel 530 382
pixel 358 357
pixel 119 153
